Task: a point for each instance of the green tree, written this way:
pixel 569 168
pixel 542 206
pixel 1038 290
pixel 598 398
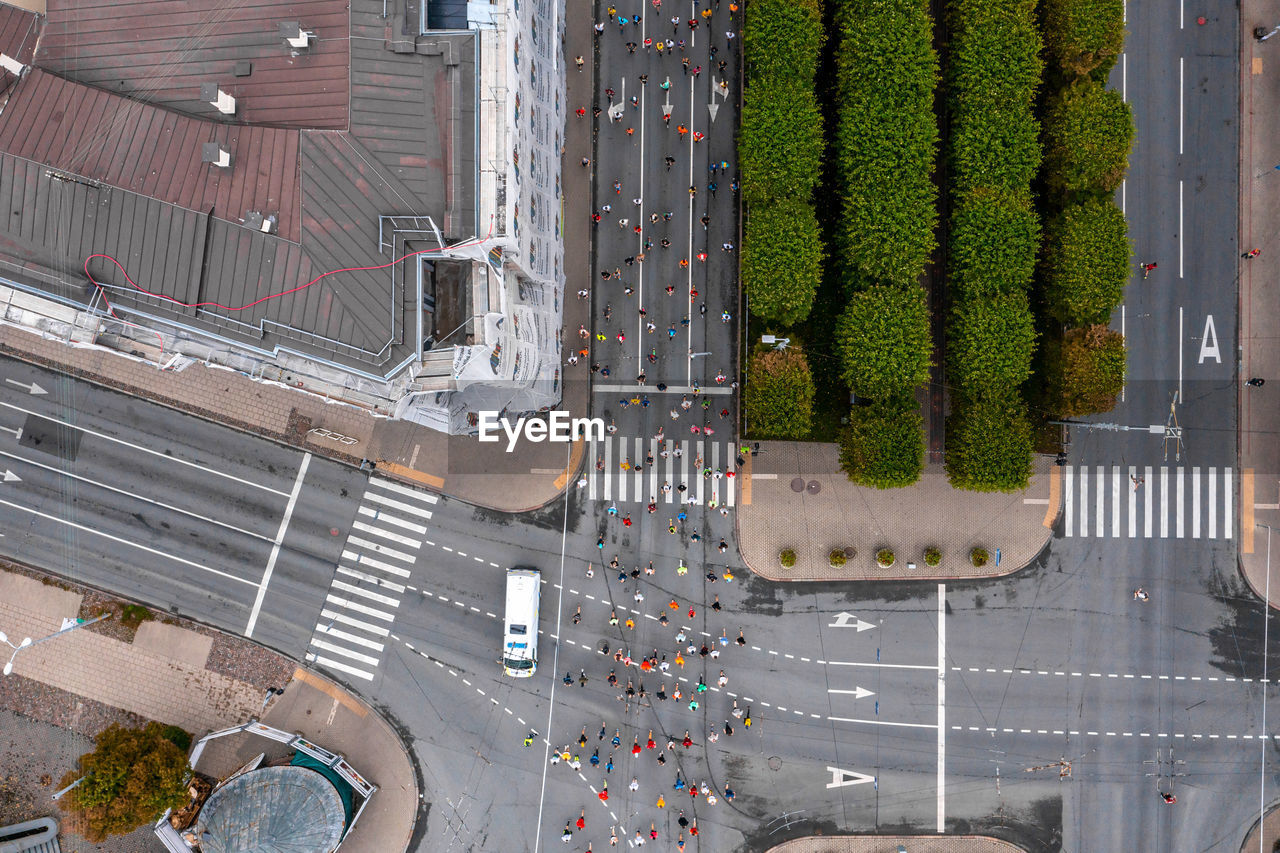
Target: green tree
pixel 991 342
pixel 1084 36
pixel 780 141
pixel 989 444
pixel 883 446
pixel 995 236
pixel 781 40
pixel 131 777
pixel 778 397
pixel 1086 262
pixel 1085 371
pixel 886 138
pixel 1088 131
pixel 883 341
pixel 781 259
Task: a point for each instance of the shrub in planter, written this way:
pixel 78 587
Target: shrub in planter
pixel 787 558
pixel 836 558
pixel 932 556
pixel 885 558
pixel 979 557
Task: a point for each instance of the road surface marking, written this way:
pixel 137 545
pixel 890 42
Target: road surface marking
pixel 350 638
pixel 942 706
pixel 359 608
pixel 378 515
pixel 1164 501
pixel 1133 502
pixel 275 547
pixel 1115 501
pixel 364 560
pixel 1178 527
pixel 393 486
pixel 364 593
pixel 399 506
pixel 387 534
pixel 1101 480
pixel 373 579
pixel 1068 502
pixel 345 652
pixel 148 450
pixel 335 616
pixel 340 667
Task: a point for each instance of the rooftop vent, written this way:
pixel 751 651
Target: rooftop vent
pixel 13 66
pixel 295 36
pixel 216 154
pixel 258 222
pixel 210 93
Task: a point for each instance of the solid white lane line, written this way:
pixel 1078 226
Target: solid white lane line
pixel 942 707
pixel 387 534
pixel 1133 503
pixel 378 515
pixel 364 560
pixel 166 457
pixel 1148 500
pixel 1178 528
pixel 730 466
pixel 140 547
pixel 1195 502
pixel 886 723
pixel 407 491
pixel 341 667
pixel 383 550
pixel 137 497
pixel 877 664
pixel 593 476
pixel 608 468
pixel 398 506
pixel 342 618
pixel 1213 503
pixel 275 548
pixel 697 474
pixel 1084 500
pixel 344 651
pixel 1102 479
pixel 640 469
pixel 1115 501
pixel 350 638
pixel 1164 501
pixel 368 578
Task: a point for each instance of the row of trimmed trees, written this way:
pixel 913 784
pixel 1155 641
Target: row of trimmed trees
pixel 780 150
pixel 885 147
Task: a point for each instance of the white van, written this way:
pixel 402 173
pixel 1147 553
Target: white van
pixel 520 636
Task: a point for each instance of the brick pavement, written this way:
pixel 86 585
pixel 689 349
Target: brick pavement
pixel 1259 408
pixel 130 676
pixel 889 844
pixel 773 516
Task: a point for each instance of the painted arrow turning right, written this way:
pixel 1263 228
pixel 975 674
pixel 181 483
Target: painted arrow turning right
pixel 843 621
pixel 856 692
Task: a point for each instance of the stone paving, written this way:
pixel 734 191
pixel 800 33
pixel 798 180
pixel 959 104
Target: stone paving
pixel 135 677
pixel 892 843
pixel 829 512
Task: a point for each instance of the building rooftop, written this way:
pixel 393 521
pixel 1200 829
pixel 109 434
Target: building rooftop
pixel 107 160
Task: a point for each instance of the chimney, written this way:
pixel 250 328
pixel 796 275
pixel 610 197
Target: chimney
pixel 295 37
pixel 215 154
pixel 210 93
pixel 13 66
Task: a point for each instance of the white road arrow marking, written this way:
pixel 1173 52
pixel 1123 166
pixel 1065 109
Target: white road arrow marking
pixel 842 621
pixel 15 431
pixel 32 389
pixel 841 778
pixel 857 692
pixel 713 108
pixel 10 477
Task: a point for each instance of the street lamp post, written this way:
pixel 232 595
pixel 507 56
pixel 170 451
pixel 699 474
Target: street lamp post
pixel 27 641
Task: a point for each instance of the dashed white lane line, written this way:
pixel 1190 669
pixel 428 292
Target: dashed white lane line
pixel 1061 673
pixel 1077 732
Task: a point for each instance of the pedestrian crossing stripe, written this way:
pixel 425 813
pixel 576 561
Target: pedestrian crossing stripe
pixel 1148 502
pixel 611 474
pixel 379 550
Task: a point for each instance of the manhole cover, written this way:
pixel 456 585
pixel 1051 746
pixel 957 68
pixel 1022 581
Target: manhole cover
pixel 797 485
pixel 775 763
pixel 814 487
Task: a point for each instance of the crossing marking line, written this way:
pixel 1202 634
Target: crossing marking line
pixel 1246 510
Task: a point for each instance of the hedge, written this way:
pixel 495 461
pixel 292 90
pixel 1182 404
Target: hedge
pixel 991 343
pixel 782 39
pixel 887 138
pixel 1084 36
pixel 778 398
pixel 1085 371
pixel 989 444
pixel 883 341
pixel 1088 131
pixel 780 141
pixel 781 259
pixel 883 446
pixel 1086 262
pixel 995 56
pixel 1002 150
pixel 995 235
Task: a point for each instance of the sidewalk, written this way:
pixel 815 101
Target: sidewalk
pixel 178 673
pixel 890 844
pixel 1259 408
pixel 795 496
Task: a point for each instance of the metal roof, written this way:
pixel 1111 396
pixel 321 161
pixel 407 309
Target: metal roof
pixel 163 50
pixel 84 170
pixel 18 32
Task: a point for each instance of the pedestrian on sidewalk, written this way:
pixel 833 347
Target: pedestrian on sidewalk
pixel 1256 382
pixel 1252 253
pixel 579 61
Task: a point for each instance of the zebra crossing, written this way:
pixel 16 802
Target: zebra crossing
pixel 618 471
pixel 1145 502
pixel 365 593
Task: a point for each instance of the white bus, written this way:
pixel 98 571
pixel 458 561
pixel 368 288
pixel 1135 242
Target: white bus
pixel 520 634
